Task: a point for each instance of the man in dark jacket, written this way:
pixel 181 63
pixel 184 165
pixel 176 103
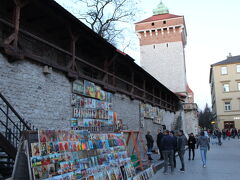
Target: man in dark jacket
pixel 191 146
pixel 150 142
pixel 181 143
pixel 159 139
pixel 219 136
pixel 175 147
pixel 167 144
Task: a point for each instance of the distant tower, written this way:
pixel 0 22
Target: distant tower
pixel 162 39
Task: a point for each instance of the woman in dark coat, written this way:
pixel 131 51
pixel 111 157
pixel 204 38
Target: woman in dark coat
pixel 191 146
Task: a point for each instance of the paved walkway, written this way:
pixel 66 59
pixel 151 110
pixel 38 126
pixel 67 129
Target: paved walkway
pixel 223 163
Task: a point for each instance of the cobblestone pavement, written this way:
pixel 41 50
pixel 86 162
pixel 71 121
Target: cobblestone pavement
pixel 223 163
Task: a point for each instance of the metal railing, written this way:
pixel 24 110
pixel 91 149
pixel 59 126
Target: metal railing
pixel 11 123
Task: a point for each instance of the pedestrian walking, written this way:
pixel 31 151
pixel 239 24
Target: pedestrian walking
pixel 219 136
pixel 191 146
pixel 238 133
pixel 228 133
pixel 235 132
pixel 150 142
pixel 203 142
pixel 181 143
pixel 168 144
pixel 224 134
pixel 175 148
pixel 159 139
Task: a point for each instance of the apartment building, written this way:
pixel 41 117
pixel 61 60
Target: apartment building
pixel 225 91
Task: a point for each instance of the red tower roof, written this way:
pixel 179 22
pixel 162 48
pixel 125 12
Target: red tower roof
pixel 159 17
pixel 189 90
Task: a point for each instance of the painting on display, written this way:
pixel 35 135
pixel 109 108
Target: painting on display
pixel 149 112
pixel 98 92
pixel 90 89
pixel 78 87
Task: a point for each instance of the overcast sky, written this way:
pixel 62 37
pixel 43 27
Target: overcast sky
pixel 213 29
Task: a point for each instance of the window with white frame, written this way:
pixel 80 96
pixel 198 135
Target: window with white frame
pixel 238 68
pixel 238 86
pixel 226 88
pixel 224 70
pixel 227 106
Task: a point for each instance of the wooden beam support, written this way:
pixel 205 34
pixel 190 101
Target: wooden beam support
pixel 72 66
pixel 11 43
pixel 144 88
pixel 107 64
pixel 111 87
pixel 114 73
pixel 132 81
pixel 153 92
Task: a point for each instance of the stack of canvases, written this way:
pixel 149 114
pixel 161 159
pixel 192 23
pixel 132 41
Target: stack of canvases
pixel 145 175
pixel 92 105
pixel 77 154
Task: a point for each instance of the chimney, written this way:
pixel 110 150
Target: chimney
pixel 229 55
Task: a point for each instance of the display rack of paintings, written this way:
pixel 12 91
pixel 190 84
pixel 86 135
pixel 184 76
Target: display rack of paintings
pixel 92 106
pixel 78 154
pixel 149 112
pixel 145 175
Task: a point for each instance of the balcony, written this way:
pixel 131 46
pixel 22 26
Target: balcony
pixel 190 106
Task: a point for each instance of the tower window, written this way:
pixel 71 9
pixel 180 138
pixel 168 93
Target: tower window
pixel 153 46
pixel 153 24
pixel 164 22
pixel 167 44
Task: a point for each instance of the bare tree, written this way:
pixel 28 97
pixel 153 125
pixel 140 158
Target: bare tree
pixel 108 18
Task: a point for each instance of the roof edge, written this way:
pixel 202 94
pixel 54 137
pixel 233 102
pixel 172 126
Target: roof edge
pixel 177 16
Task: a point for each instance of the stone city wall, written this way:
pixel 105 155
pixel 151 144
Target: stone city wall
pixel 45 100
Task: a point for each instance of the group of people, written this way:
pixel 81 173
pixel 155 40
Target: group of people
pixel 169 143
pixel 231 133
pixel 224 134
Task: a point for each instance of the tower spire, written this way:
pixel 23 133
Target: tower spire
pixel 161 9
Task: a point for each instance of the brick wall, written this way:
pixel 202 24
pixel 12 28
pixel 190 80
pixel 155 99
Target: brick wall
pixel 160 36
pixel 159 24
pixel 128 111
pixel 43 100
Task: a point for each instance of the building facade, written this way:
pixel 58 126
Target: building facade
pixel 162 38
pixel 225 92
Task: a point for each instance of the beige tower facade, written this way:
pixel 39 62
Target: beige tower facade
pixel 162 39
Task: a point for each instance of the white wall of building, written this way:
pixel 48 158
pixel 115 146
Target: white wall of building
pixel 166 62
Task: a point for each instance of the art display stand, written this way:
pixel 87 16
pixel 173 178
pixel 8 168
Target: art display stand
pixel 94 147
pixel 135 136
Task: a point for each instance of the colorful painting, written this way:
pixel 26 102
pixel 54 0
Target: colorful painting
pixel 35 149
pixel 98 92
pixel 90 89
pixel 78 86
